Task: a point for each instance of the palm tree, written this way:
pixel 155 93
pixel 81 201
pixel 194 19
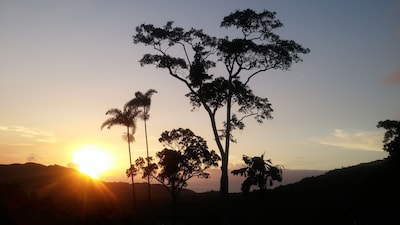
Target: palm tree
pixel 143 101
pixel 126 117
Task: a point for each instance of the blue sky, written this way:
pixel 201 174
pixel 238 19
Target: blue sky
pixel 63 64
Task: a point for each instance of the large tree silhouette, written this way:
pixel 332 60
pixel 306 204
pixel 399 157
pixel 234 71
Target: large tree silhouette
pixel 126 117
pixel 144 101
pixel 391 139
pixel 185 156
pixel 256 50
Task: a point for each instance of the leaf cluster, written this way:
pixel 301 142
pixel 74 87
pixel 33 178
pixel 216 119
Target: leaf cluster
pixel 162 38
pixel 391 139
pixel 143 101
pixel 259 48
pixel 185 155
pixel 258 172
pixel 126 117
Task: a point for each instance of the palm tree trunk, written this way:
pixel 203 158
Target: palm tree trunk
pixel 130 165
pixel 148 160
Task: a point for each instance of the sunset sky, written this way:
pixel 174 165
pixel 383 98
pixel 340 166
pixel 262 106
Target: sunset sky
pixel 63 64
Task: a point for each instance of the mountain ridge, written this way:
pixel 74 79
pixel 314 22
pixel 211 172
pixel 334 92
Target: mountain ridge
pixel 359 194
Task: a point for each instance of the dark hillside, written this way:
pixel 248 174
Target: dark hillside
pixel 367 193
pixel 64 194
pixel 363 194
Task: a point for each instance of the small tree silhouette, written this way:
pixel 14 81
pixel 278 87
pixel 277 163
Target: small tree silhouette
pixel 186 156
pixel 391 139
pixel 258 172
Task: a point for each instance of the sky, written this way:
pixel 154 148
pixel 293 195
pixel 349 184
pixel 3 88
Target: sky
pixel 63 64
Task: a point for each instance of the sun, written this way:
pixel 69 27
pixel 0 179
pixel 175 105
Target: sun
pixel 92 160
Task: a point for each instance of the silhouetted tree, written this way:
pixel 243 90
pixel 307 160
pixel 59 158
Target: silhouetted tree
pixel 185 156
pixel 391 139
pixel 126 117
pixel 143 101
pixel 256 50
pixel 258 172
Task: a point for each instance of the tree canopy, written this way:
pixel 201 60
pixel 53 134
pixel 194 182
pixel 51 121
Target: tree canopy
pixel 185 156
pixel 391 140
pixel 258 172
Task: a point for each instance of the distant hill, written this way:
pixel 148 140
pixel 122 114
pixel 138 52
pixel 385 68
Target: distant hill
pixel 367 193
pixel 66 191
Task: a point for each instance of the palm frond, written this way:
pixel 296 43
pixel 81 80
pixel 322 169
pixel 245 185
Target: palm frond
pixel 132 103
pixel 150 93
pixel 141 100
pixel 114 111
pixel 108 123
pixel 128 138
pixel 127 118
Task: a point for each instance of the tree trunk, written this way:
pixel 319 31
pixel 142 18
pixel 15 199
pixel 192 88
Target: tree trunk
pixel 225 157
pixel 174 206
pixel 224 189
pixel 130 165
pixel 148 164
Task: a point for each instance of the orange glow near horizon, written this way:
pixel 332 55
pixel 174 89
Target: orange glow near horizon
pixel 92 160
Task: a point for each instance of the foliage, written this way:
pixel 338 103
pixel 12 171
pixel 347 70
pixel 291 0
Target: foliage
pixel 256 49
pixel 185 156
pixel 142 101
pixel 126 117
pixel 258 172
pixel 391 139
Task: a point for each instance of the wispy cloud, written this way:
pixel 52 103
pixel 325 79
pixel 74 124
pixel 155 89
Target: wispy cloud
pixel 28 133
pixel 357 140
pixel 393 78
